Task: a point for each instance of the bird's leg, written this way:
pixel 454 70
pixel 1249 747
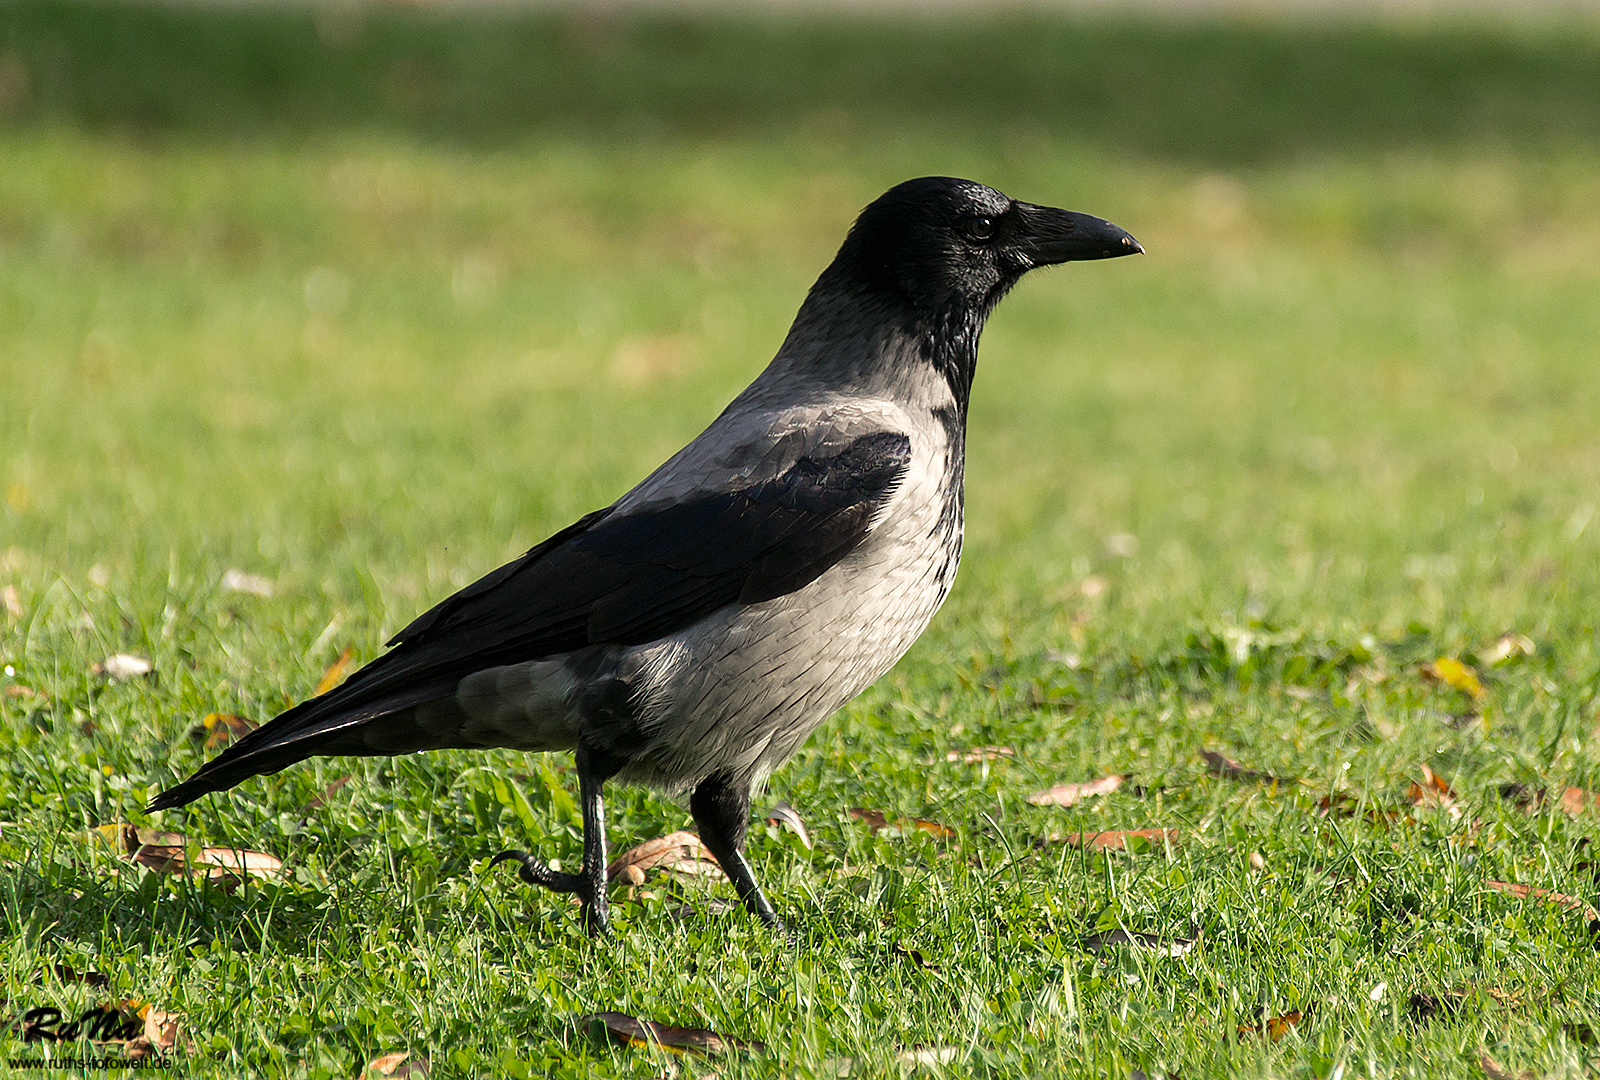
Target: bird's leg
pixel 589 884
pixel 721 807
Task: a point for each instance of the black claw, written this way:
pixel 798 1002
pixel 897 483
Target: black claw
pixel 535 872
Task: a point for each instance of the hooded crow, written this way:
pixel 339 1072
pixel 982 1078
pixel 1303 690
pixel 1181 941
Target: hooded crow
pixel 692 634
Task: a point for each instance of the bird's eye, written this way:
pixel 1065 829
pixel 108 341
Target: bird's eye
pixel 980 228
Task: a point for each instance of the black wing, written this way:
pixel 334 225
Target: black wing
pixel 607 579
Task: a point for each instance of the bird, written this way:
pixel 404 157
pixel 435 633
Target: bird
pixel 693 634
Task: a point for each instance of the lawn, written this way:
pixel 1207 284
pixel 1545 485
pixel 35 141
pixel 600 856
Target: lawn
pixel 360 305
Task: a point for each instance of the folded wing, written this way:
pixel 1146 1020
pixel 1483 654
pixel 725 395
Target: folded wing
pixel 610 578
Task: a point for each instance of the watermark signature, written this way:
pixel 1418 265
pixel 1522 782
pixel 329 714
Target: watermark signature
pixel 103 1024
pixel 120 1030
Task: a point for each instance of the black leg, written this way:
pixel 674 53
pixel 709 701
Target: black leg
pixel 721 807
pixel 589 884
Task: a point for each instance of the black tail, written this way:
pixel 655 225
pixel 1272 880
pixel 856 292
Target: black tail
pixel 343 721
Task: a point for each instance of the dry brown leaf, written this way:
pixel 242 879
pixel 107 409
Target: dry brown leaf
pixel 1495 1071
pixel 18 691
pixel 220 729
pixel 1531 892
pixel 162 1029
pixel 1276 1027
pixel 787 817
pixel 1072 794
pixel 625 1030
pixel 1229 769
pixel 1118 839
pixel 677 852
pixel 1433 791
pixel 401 1066
pixel 317 802
pixel 1576 801
pixel 877 820
pixel 335 672
pixel 1453 673
pixel 979 754
pixel 119 667
pixel 170 853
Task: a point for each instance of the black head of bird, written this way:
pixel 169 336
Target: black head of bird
pixel 939 243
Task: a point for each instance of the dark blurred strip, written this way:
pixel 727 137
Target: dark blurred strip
pixel 1207 90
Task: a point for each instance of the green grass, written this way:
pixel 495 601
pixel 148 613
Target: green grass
pixel 372 311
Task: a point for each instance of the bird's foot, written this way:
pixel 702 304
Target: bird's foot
pixel 534 871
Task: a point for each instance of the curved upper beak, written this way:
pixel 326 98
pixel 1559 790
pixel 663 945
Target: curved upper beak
pixel 1050 236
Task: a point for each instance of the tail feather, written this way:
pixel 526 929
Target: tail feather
pixel 321 725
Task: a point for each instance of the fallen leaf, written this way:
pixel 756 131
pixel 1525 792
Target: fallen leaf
pixel 401 1066
pixel 677 852
pixel 1495 1071
pixel 980 753
pixel 625 1030
pixel 121 666
pixel 1229 769
pixel 1455 674
pixel 214 862
pixel 162 1029
pixel 18 691
pixel 170 853
pixel 1530 892
pixel 928 1055
pixel 1123 838
pixel 12 601
pixel 1433 791
pixel 1276 1027
pixel 254 584
pixel 317 802
pixel 877 820
pixel 1072 794
pixel 1133 939
pixel 335 672
pixel 1576 801
pixel 873 819
pixel 220 729
pixel 785 816
pixel 1506 647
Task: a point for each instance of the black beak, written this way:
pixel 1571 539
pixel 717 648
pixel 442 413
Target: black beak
pixel 1049 236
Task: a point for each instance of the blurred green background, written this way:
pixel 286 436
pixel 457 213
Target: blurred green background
pixel 366 299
